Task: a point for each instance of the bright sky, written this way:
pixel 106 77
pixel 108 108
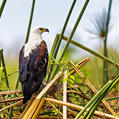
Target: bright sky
pixel 51 14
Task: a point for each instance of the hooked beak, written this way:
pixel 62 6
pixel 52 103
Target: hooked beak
pixel 47 30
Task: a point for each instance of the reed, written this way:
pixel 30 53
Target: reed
pixel 79 108
pixel 94 102
pixel 105 65
pixel 30 20
pixel 64 28
pixel 26 40
pixel 70 37
pixel 4 69
pixel 2 7
pixel 93 88
pixel 92 52
pixel 57 41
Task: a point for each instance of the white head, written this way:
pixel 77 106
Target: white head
pixel 35 39
pixel 39 30
pixel 37 33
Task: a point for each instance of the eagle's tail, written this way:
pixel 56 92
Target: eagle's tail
pixel 27 88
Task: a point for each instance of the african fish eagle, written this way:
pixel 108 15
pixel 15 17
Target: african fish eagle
pixel 33 60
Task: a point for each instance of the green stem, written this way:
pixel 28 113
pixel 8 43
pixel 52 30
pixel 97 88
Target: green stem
pixel 17 83
pixel 54 46
pixel 94 106
pixel 57 41
pixel 70 37
pixel 102 90
pixel 30 21
pixel 50 65
pixel 74 29
pixel 113 98
pixel 5 71
pixel 0 56
pixel 93 52
pixel 109 88
pixel 64 28
pixel 105 65
pixel 2 7
pixel 27 37
pixel 11 113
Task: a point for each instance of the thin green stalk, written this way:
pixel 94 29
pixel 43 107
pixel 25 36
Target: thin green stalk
pixel 94 106
pixel 57 41
pixel 105 65
pixel 113 98
pixel 93 99
pixel 70 37
pixel 17 83
pixel 11 113
pixel 27 37
pixel 108 19
pixel 28 31
pixel 54 46
pixel 11 109
pixel 64 28
pixel 2 7
pixel 114 82
pixel 93 52
pixel 4 70
pixel 50 65
pixel 99 96
pixel 74 29
pixel 30 21
pixel 0 56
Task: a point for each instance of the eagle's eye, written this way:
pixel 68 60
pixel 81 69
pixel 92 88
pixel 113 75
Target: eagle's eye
pixel 40 29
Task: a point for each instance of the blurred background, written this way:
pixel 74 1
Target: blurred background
pixel 51 14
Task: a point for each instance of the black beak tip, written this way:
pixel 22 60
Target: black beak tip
pixel 47 30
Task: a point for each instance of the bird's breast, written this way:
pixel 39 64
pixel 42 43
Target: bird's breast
pixel 30 46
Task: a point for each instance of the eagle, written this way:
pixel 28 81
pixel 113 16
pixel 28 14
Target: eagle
pixel 33 60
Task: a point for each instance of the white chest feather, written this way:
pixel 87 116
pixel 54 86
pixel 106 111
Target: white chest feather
pixel 32 44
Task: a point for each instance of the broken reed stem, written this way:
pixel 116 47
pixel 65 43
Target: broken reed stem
pixel 81 64
pixel 27 107
pixel 10 92
pixel 35 103
pixel 65 96
pixel 92 52
pixel 10 100
pixel 55 108
pixel 7 107
pixel 93 88
pixel 77 107
pixel 35 116
pixel 2 7
pixel 72 112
